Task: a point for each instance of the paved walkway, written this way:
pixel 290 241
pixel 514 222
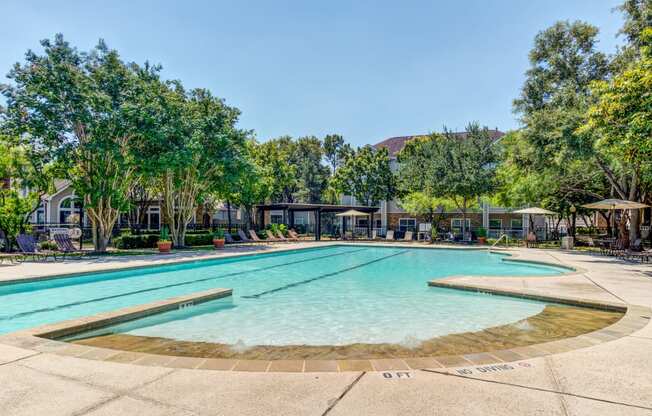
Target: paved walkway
pixel 612 378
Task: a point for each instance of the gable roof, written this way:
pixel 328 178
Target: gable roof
pixel 396 144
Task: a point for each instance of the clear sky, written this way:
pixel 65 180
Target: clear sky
pixel 365 69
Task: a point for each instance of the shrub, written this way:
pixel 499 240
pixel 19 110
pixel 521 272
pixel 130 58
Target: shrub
pixel 136 241
pixel 48 245
pixel 199 239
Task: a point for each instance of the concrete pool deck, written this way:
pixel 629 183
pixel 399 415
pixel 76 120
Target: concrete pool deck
pixel 613 377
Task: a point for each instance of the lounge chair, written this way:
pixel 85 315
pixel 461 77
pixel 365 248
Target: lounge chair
pixel 65 245
pixel 293 235
pixel 29 247
pixel 389 235
pixel 280 236
pixel 408 236
pixel 244 238
pixel 12 258
pixel 254 237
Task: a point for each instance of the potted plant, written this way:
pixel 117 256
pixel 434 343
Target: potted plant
pixel 218 239
pixel 164 243
pixel 482 236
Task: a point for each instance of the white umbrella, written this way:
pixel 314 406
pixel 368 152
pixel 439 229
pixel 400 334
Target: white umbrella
pixel 614 204
pixel 535 211
pixel 351 213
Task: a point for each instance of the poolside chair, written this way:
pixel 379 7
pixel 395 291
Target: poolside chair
pixel 12 258
pixel 280 236
pixel 389 235
pixel 29 247
pixel 254 237
pixel 408 236
pixel 244 238
pixel 293 235
pixel 65 245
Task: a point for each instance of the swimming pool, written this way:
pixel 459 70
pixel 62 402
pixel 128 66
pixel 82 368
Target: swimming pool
pixel 335 295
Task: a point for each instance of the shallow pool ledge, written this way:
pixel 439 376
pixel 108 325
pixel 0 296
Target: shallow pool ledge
pixel 75 326
pixel 450 283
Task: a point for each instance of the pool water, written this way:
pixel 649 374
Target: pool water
pixel 331 295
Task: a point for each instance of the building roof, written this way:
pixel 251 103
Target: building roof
pixel 396 144
pixel 315 207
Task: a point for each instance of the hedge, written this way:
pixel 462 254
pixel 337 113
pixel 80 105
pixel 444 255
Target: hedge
pixel 149 240
pixel 199 239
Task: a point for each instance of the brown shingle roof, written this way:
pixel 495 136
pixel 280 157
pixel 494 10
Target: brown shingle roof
pixel 396 144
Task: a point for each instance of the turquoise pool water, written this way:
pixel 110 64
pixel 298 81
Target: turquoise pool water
pixel 329 295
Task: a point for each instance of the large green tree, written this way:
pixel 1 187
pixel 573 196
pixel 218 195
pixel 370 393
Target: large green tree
pixel 366 175
pixel 80 107
pixel 27 178
pixel 460 168
pixel 195 149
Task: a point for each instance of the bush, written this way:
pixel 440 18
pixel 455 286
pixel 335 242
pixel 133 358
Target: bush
pixel 136 241
pixel 48 245
pixel 199 239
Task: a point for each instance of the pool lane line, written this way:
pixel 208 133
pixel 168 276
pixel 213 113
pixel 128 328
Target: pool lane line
pixel 67 305
pixel 323 276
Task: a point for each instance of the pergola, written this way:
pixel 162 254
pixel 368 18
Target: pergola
pixel 290 208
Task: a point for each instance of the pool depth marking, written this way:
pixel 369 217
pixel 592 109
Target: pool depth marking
pixel 323 276
pixel 68 305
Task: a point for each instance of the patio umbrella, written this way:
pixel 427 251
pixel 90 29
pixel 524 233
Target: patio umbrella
pixel 534 211
pixel 614 204
pixel 351 213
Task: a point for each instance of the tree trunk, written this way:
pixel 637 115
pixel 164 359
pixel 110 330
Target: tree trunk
pixel 634 225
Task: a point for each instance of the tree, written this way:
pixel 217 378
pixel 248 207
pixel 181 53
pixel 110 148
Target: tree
pixel 366 175
pixel 621 117
pixel 80 107
pixel 254 185
pixel 638 17
pixel 335 150
pixel 431 207
pixel 296 165
pixel 311 174
pixel 275 155
pixel 27 182
pixel 460 168
pixel 194 149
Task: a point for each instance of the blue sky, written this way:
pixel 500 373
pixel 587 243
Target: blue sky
pixel 366 69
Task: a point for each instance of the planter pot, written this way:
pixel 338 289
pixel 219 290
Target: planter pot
pixel 218 243
pixel 482 240
pixel 164 246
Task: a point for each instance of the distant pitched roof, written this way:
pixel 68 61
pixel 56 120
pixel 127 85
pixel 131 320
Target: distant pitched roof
pixel 396 144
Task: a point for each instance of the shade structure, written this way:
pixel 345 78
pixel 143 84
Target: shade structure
pixel 615 204
pixel 352 213
pixel 535 211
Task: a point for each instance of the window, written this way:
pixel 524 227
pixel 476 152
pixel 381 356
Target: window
pixel 407 224
pixel 362 222
pixel 153 218
pixel 40 214
pixel 517 223
pixel 495 223
pixel 69 210
pixel 456 224
pixel 378 223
